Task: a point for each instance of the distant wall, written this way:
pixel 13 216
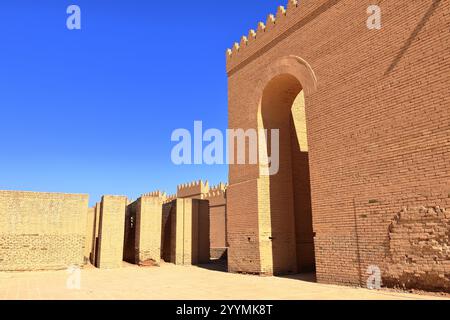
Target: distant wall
pixel 218 223
pixel 90 230
pixel 130 233
pixel 148 231
pixel 185 238
pixel 143 225
pixel 111 232
pixel 168 231
pixel 41 231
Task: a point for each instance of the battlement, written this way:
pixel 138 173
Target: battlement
pixel 234 55
pixel 193 190
pixel 216 191
pixel 170 198
pixel 156 194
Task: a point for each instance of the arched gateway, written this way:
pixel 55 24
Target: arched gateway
pixel 363 119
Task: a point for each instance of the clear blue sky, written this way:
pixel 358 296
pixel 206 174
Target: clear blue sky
pixel 92 111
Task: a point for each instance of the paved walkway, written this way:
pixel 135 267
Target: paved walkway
pixel 179 283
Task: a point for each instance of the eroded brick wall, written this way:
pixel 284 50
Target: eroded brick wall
pixel 90 231
pixel 111 232
pixel 419 249
pixel 185 239
pixel 148 231
pixel 42 231
pixel 407 238
pixel 129 246
pixel 218 222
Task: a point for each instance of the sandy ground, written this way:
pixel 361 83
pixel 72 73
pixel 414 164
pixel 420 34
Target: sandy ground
pixel 170 282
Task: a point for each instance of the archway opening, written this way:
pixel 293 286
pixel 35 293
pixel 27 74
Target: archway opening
pixel 283 108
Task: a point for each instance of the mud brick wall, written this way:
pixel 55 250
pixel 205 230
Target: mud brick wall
pixel 407 236
pixel 186 232
pixel 41 231
pixel 193 190
pixel 148 231
pixel 111 232
pixel 90 231
pixel 97 209
pixel 168 224
pixel 218 223
pixel 417 237
pixel 129 245
pixel 378 125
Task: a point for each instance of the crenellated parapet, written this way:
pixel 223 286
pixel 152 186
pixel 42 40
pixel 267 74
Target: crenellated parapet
pixel 262 35
pixel 170 198
pixel 216 192
pixel 216 195
pixel 193 190
pixel 156 194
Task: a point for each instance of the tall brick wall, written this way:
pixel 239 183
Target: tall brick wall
pixel 111 232
pixel 185 240
pixel 90 230
pixel 218 221
pixel 193 190
pixel 377 117
pixel 217 208
pixel 41 231
pixel 129 245
pixel 94 251
pixel 168 223
pixel 148 230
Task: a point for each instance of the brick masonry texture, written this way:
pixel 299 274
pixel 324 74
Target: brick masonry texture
pixel 143 224
pixel 364 172
pixel 185 237
pixel 111 232
pixel 90 231
pixel 41 231
pixel 216 195
pixel 378 130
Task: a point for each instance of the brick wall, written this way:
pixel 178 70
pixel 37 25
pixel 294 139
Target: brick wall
pixel 90 231
pixel 94 255
pixel 129 246
pixel 218 221
pixel 217 208
pixel 148 230
pixel 168 234
pixel 378 124
pixel 111 232
pixel 41 231
pixel 185 240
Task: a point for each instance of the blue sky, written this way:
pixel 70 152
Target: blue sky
pixel 92 110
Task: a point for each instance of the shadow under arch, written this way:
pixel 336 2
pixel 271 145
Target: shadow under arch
pixel 287 241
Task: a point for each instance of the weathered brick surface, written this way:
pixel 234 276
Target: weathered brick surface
pixel 406 237
pixel 185 237
pixel 41 231
pixel 129 246
pixel 217 209
pixel 111 232
pixel 378 124
pixel 148 230
pixel 90 231
pixel 218 220
pixel 193 190
pixel 97 209
pixel 419 249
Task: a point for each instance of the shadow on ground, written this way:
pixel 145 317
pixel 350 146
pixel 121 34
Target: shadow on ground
pixel 215 265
